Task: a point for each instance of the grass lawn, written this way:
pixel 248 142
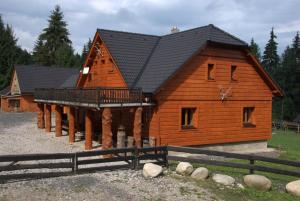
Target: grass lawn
pixel 289 145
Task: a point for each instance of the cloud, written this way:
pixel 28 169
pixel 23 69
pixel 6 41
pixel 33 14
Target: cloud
pixel 244 19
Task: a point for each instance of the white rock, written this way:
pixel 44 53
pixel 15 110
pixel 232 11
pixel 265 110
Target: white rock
pixel 293 188
pixel 240 186
pixel 151 170
pixel 200 173
pixel 258 182
pixel 184 168
pixel 223 179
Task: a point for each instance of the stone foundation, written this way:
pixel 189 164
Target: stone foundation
pixel 240 147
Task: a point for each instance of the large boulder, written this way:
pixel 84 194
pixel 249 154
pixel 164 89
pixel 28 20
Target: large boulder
pixel 293 188
pixel 258 182
pixel 223 179
pixel 184 168
pixel 200 173
pixel 151 170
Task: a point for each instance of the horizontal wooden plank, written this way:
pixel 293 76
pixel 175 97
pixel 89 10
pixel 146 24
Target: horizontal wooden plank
pixel 105 160
pixel 101 168
pixel 34 175
pixel 36 166
pixel 104 152
pixel 29 157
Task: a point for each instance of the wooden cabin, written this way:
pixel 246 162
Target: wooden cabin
pixel 196 87
pixel 18 97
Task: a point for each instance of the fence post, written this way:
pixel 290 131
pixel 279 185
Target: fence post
pixel 251 170
pixel 136 157
pixel 166 157
pixel 75 163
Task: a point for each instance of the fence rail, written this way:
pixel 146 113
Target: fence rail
pixel 248 157
pixel 60 164
pixel 92 95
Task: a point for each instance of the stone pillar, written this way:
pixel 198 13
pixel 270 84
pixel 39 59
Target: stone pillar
pixel 106 129
pixel 48 118
pixel 58 118
pixel 152 141
pixel 40 116
pixel 71 118
pixel 137 127
pixel 130 141
pixel 121 135
pixel 88 130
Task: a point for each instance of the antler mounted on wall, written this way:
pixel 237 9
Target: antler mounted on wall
pixel 224 93
pixel 99 50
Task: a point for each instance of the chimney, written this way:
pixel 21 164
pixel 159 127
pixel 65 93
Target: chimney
pixel 174 30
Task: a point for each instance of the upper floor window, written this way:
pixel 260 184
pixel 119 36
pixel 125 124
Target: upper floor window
pixel 188 117
pixel 233 73
pixel 248 117
pixel 211 72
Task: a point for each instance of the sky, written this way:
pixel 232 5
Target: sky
pixel 242 18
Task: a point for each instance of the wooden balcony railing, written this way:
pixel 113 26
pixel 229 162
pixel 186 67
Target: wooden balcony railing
pixel 92 95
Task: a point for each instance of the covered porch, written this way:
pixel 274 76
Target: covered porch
pixel 114 117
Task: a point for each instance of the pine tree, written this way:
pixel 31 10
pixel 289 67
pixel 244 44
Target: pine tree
pixel 270 57
pixel 7 53
pixel 255 50
pixel 85 50
pixel 54 41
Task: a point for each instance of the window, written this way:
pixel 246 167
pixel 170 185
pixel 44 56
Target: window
pixel 248 117
pixel 211 72
pixel 187 117
pixel 233 73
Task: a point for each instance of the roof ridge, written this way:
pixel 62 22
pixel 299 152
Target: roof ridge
pixel 145 64
pixel 187 30
pixel 228 34
pixel 116 31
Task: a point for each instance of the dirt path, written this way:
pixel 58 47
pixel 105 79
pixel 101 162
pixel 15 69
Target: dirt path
pixel 19 135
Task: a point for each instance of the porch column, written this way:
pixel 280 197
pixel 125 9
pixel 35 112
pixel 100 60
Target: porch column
pixel 48 118
pixel 137 127
pixel 71 125
pixel 40 116
pixel 58 117
pixel 106 129
pixel 88 130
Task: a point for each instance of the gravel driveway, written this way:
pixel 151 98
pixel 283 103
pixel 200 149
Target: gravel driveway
pixel 19 135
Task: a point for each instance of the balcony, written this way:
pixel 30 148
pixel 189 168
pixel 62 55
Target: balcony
pixel 94 97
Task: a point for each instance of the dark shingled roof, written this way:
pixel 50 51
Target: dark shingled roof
pixel 31 77
pixel 147 61
pixel 5 91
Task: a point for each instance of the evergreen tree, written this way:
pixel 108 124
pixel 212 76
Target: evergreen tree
pixel 270 57
pixel 255 50
pixel 10 54
pixel 53 47
pixel 85 50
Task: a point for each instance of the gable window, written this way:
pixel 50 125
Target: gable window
pixel 248 117
pixel 211 72
pixel 233 73
pixel 188 117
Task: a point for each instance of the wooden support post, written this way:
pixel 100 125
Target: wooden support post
pixel 48 118
pixel 58 118
pixel 137 128
pixel 251 170
pixel 40 116
pixel 106 128
pixel 88 130
pixel 71 118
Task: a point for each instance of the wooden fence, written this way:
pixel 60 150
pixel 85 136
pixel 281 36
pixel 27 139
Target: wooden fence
pixel 251 166
pixel 287 126
pixel 28 166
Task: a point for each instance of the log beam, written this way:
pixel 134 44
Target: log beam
pixel 88 130
pixel 106 129
pixel 58 119
pixel 137 127
pixel 40 116
pixel 48 118
pixel 71 119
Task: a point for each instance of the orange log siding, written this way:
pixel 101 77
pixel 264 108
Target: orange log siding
pixel 27 103
pixel 216 121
